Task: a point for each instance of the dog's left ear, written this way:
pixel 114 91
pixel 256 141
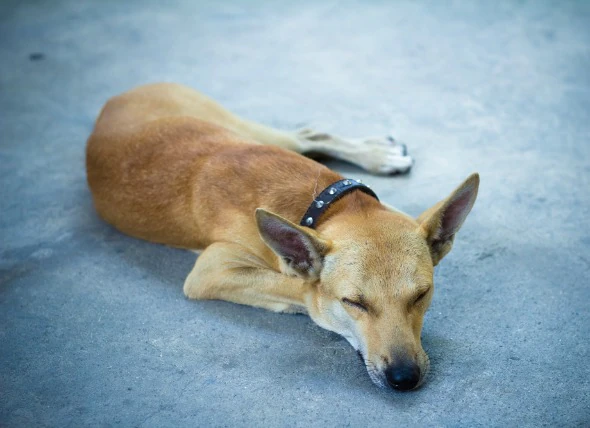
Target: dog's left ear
pixel 440 223
pixel 300 249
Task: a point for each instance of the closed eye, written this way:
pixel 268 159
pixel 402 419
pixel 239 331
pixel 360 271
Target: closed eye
pixel 421 297
pixel 355 304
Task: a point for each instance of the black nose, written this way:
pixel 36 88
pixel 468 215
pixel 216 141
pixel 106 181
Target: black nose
pixel 403 376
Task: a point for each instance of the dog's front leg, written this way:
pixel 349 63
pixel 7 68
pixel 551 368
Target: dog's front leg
pixel 228 271
pixel 374 154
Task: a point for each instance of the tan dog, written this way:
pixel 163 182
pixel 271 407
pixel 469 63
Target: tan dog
pixel 169 165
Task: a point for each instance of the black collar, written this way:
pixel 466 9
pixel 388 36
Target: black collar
pixel 329 195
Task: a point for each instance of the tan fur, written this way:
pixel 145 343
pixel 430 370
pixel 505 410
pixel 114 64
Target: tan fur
pixel 169 165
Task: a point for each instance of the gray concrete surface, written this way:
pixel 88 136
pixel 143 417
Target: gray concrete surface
pixel 94 329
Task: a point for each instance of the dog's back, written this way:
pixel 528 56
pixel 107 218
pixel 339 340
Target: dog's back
pixel 161 100
pixel 153 164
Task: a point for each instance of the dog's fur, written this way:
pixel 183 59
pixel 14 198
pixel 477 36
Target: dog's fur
pixel 169 165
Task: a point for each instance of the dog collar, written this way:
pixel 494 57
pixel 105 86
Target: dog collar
pixel 329 195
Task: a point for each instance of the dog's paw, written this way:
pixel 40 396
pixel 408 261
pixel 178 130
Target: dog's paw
pixel 384 156
pixel 377 155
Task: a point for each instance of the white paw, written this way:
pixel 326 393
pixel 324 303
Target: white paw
pixel 384 156
pixel 377 155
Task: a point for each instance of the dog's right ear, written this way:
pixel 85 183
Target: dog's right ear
pixel 300 249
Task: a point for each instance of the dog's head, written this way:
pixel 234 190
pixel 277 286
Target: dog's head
pixel 372 278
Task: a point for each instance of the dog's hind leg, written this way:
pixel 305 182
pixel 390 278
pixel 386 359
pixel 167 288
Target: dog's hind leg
pixel 228 271
pixel 377 155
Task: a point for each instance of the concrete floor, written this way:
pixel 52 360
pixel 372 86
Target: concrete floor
pixel 94 328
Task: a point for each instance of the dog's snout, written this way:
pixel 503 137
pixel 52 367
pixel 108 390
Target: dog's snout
pixel 403 376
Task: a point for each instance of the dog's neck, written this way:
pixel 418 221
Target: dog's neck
pixel 330 195
pixel 352 204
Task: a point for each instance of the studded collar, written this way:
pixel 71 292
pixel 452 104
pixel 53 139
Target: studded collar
pixel 329 195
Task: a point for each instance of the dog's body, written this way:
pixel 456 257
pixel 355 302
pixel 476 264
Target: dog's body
pixel 167 164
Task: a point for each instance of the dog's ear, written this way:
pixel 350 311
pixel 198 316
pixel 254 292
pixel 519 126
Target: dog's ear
pixel 300 249
pixel 440 223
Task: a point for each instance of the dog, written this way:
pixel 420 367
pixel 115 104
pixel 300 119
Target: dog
pixel 275 229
